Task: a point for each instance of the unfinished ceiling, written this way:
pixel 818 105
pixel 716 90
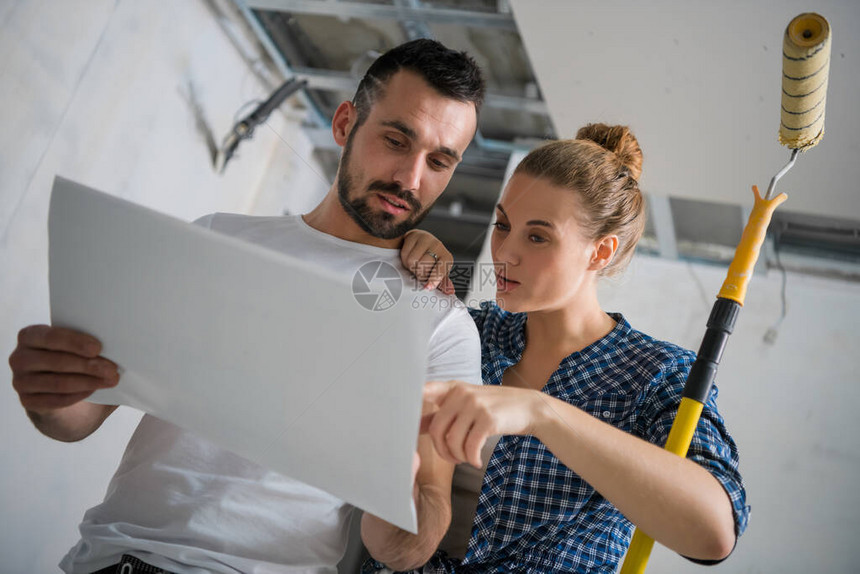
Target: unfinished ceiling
pixel 331 44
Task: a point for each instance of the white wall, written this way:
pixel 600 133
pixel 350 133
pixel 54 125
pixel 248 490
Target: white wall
pixel 790 406
pixel 97 91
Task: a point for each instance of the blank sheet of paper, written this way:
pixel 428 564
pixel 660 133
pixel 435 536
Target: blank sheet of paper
pixel 261 353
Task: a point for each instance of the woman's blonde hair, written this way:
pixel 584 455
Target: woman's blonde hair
pixel 602 165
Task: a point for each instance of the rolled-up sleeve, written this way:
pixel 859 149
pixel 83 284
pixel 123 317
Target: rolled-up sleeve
pixel 712 446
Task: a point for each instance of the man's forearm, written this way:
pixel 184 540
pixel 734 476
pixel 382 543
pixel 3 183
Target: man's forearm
pixel 401 550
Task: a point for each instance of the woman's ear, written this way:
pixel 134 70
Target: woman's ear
pixel 604 251
pixel 342 122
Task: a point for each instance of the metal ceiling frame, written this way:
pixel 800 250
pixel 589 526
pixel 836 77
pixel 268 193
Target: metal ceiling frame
pixel 400 12
pixel 414 20
pixel 280 62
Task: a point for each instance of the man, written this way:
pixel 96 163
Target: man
pixel 182 504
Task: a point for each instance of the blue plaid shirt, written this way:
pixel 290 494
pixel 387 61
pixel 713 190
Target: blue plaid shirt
pixel 536 515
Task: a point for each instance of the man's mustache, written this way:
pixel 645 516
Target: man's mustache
pixel 394 189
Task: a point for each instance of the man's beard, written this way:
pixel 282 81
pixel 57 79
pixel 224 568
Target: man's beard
pixel 380 224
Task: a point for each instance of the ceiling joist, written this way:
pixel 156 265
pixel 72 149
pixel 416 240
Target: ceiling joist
pixel 385 12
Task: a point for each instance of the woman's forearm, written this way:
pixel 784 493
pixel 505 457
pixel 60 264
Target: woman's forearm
pixel 672 499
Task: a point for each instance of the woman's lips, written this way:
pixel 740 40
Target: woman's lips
pixel 505 285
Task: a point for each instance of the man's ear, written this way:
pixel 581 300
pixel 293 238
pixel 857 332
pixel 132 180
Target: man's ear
pixel 604 251
pixel 344 119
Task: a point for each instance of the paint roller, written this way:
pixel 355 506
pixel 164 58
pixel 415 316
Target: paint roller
pixel 805 67
pixel 805 70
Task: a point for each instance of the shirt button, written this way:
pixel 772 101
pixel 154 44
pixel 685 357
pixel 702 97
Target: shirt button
pixel 606 414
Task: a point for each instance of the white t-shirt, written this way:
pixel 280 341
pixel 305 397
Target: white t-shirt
pixel 184 504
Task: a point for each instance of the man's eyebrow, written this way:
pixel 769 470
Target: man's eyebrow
pixel 410 133
pixel 541 222
pixel 401 127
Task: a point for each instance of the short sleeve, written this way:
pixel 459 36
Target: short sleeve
pixel 455 349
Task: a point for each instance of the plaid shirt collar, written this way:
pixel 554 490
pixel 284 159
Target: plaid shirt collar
pixel 507 347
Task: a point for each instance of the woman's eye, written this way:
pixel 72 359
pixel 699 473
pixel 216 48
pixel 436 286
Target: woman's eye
pixel 501 226
pixel 537 239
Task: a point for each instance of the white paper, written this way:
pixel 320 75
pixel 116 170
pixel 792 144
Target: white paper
pixel 261 353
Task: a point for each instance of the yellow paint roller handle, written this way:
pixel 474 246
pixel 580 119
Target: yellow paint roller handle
pixel 678 443
pixel 638 554
pixel 720 326
pixel 684 426
pixel 746 254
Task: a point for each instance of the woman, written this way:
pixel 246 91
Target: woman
pixel 581 399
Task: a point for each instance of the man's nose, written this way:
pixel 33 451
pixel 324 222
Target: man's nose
pixel 409 172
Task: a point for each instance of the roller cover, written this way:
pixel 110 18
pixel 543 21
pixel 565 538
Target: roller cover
pixel 805 70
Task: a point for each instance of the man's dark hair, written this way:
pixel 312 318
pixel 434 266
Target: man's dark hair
pixel 453 74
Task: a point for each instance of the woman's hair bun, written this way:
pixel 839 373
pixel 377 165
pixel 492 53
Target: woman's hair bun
pixel 619 140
